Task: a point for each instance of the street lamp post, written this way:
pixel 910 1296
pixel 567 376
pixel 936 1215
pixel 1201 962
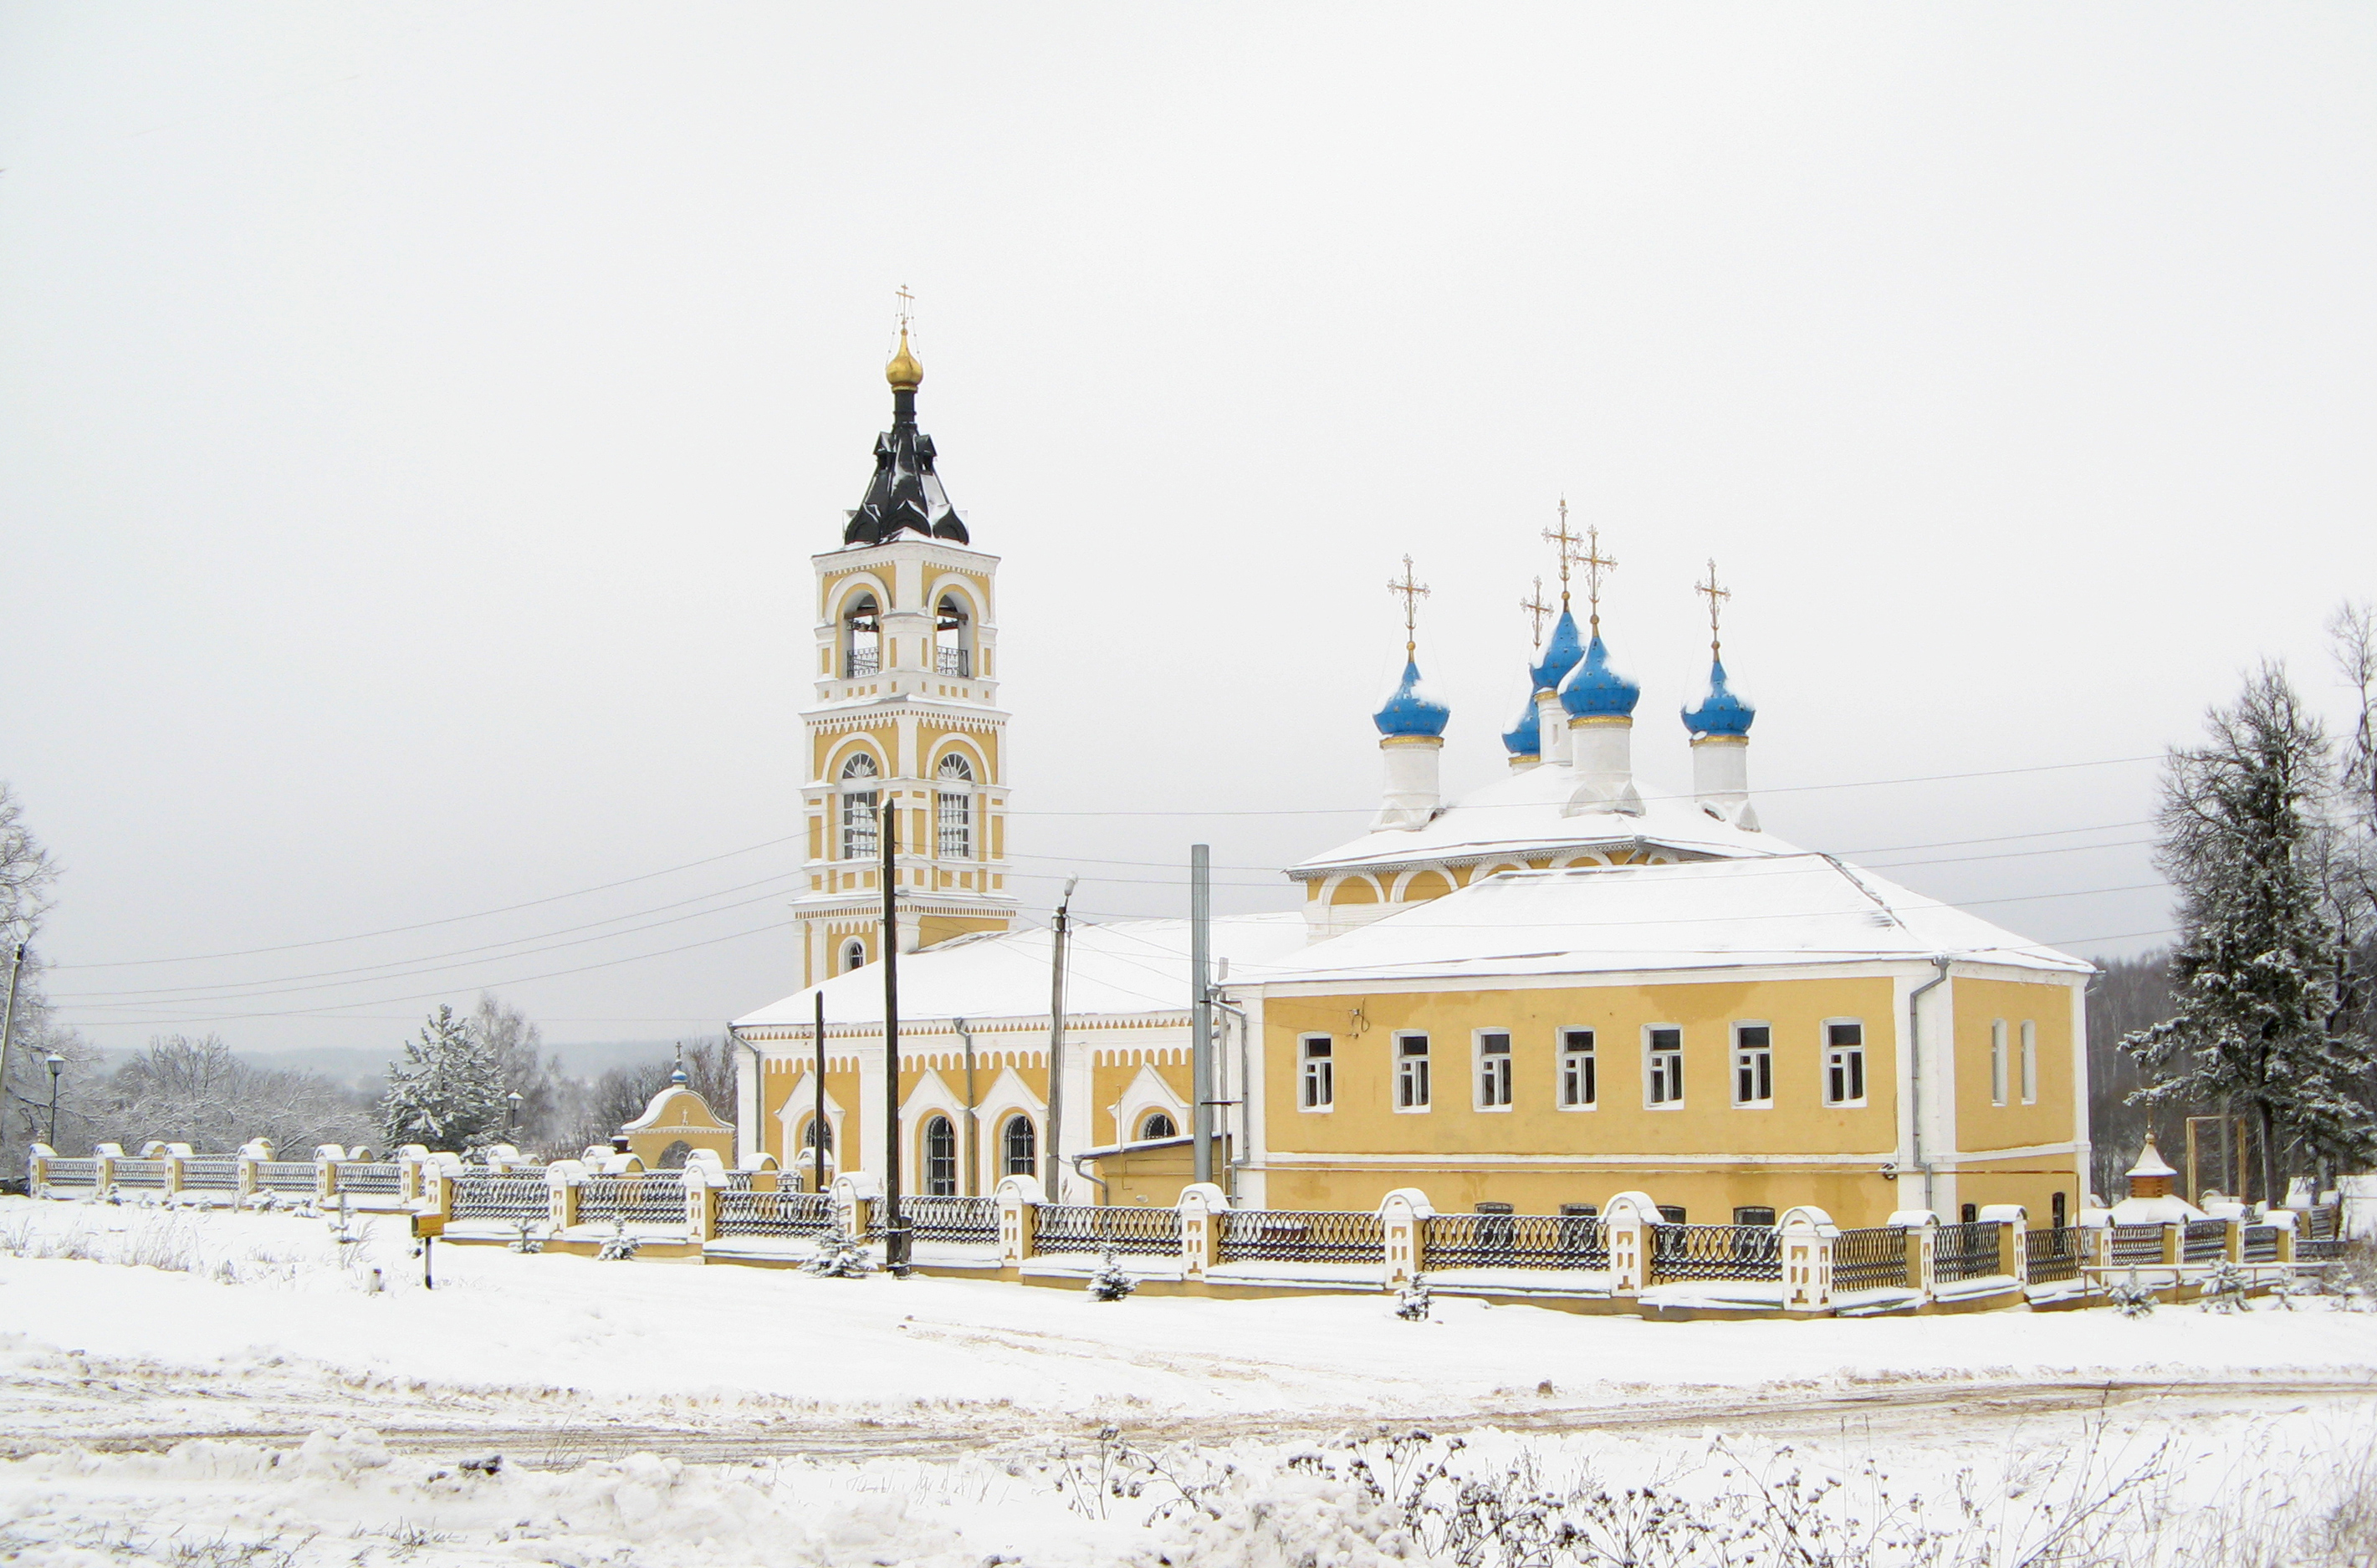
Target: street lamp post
pixel 511 1112
pixel 56 1065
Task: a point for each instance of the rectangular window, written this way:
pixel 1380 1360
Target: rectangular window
pixel 1662 1078
pixel 1493 1070
pixel 1411 1073
pixel 2029 1062
pixel 1998 1063
pixel 1844 1064
pixel 858 825
pixel 1577 1089
pixel 1672 1214
pixel 1317 1083
pixel 1754 1214
pixel 1753 1064
pixel 954 815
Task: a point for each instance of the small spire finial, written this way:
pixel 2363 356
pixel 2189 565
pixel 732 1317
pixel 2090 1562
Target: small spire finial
pixel 1411 591
pixel 904 372
pixel 1535 610
pixel 1716 597
pixel 1565 543
pixel 1595 564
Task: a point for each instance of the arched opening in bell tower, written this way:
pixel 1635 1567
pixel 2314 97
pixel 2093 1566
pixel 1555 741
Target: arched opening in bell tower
pixel 952 646
pixel 862 637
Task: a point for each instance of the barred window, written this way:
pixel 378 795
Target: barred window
pixel 1663 1047
pixel 1159 1125
pixel 1493 1070
pixel 1577 1084
pixel 1019 1142
pixel 1411 1071
pixel 953 809
pixel 1317 1083
pixel 940 1173
pixel 1843 1063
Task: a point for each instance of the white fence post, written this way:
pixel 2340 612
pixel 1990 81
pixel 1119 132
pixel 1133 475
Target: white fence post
pixel 1630 1221
pixel 1919 1227
pixel 1808 1236
pixel 1019 1199
pixel 1403 1217
pixel 1202 1206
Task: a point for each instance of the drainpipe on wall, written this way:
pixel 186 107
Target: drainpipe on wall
pixel 1075 1160
pixel 1940 961
pixel 973 1150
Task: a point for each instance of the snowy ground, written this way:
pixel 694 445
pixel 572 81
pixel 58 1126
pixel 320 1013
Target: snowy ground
pixel 205 1387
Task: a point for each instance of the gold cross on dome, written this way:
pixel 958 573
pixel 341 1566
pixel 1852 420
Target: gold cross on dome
pixel 907 307
pixel 1411 591
pixel 1716 597
pixel 1566 542
pixel 1595 564
pixel 1536 610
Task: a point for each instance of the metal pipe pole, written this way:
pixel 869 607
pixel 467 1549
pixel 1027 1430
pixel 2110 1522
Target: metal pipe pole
pixel 972 1132
pixel 895 1229
pixel 817 1121
pixel 1051 1166
pixel 1200 1007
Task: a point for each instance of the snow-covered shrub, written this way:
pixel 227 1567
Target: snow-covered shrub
pixel 527 1241
pixel 1111 1282
pixel 619 1246
pixel 1412 1302
pixel 2225 1290
pixel 844 1259
pixel 2132 1298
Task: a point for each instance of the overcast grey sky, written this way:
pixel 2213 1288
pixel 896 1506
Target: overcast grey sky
pixel 415 421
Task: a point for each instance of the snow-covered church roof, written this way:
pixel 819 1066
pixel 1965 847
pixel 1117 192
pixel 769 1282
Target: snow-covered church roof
pixel 1778 908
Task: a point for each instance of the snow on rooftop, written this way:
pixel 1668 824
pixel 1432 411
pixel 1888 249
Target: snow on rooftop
pixel 2151 1162
pixel 1521 813
pixel 1789 908
pixel 1114 968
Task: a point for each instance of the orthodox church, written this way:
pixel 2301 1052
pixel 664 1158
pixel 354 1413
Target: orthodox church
pixel 1560 986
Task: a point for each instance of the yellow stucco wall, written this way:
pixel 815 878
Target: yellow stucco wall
pixel 1981 1124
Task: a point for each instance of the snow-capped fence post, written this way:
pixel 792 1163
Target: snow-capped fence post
pixel 563 1179
pixel 252 1154
pixel 37 1169
pixel 2096 1249
pixel 326 1171
pixel 2284 1221
pixel 1403 1220
pixel 703 1180
pixel 1630 1220
pixel 411 1182
pixel 2013 1221
pixel 2174 1247
pixel 171 1156
pixel 1202 1205
pixel 1019 1199
pixel 856 1195
pixel 1808 1235
pixel 1920 1228
pixel 103 1167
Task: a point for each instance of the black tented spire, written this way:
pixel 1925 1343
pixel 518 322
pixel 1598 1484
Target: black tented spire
pixel 905 494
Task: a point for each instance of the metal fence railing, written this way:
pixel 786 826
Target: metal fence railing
pixel 2204 1240
pixel 2319 1249
pixel 1965 1252
pixel 74 1172
pixel 1302 1236
pixel 1716 1252
pixel 1870 1259
pixel 203 1173
pixel 2052 1256
pixel 1513 1240
pixel 651 1197
pixel 375 1181
pixel 2260 1243
pixel 937 1218
pixel 142 1174
pixel 480 1195
pixel 1092 1227
pixel 774 1214
pixel 2134 1244
pixel 285 1175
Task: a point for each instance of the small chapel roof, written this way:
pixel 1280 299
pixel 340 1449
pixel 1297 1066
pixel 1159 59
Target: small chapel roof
pixel 2151 1162
pixel 1793 909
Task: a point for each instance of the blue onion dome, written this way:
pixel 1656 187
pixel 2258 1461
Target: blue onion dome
pixel 1411 711
pixel 1594 690
pixel 1560 654
pixel 1526 737
pixel 1720 712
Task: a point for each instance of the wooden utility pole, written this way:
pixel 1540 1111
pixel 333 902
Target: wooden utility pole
pixel 1200 1003
pixel 1051 1161
pixel 895 1224
pixel 817 1123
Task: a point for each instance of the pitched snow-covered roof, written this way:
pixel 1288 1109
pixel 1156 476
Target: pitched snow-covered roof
pixel 1794 908
pixel 1520 815
pixel 2151 1162
pixel 1122 967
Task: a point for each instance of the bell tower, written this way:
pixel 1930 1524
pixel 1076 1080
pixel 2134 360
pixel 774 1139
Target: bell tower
pixel 907 714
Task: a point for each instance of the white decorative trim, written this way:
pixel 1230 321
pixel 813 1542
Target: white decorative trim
pixel 1147 1091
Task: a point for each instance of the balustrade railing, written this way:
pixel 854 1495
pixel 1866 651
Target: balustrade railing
pixel 774 1214
pixel 1716 1252
pixel 203 1173
pixel 939 1218
pixel 2204 1240
pixel 949 660
pixel 2260 1243
pixel 1091 1228
pixel 1302 1236
pixel 74 1172
pixel 2052 1255
pixel 652 1198
pixel 2134 1244
pixel 503 1199
pixel 862 661
pixel 1513 1240
pixel 373 1180
pixel 1869 1259
pixel 285 1175
pixel 1965 1252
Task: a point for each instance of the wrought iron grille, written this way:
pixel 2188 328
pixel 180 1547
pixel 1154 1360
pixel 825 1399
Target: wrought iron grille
pixel 370 1180
pixel 1965 1252
pixel 953 1219
pixel 948 660
pixel 1870 1259
pixel 863 662
pixel 2135 1244
pixel 1513 1240
pixel 480 1195
pixel 140 1173
pixel 2319 1249
pixel 74 1173
pixel 1303 1236
pixel 2260 1243
pixel 203 1175
pixel 1716 1252
pixel 774 1214
pixel 2204 1240
pixel 2052 1255
pixel 652 1197
pixel 2320 1222
pixel 1091 1228
pixel 285 1175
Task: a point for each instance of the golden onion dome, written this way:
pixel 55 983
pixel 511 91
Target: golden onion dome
pixel 904 373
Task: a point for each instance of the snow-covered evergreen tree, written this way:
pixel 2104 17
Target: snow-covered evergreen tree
pixel 2254 975
pixel 448 1089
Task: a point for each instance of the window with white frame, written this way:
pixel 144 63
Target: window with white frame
pixel 1493 1070
pixel 1663 1064
pixel 1020 1148
pixel 1317 1072
pixel 1411 1071
pixel 953 809
pixel 940 1161
pixel 854 954
pixel 858 803
pixel 1158 1125
pixel 1753 1064
pixel 1998 1062
pixel 2029 1062
pixel 1845 1063
pixel 1578 1089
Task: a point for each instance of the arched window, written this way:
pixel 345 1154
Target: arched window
pixel 953 809
pixel 672 1156
pixel 816 1131
pixel 939 1176
pixel 1159 1125
pixel 1020 1148
pixel 858 776
pixel 862 637
pixel 854 954
pixel 953 654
